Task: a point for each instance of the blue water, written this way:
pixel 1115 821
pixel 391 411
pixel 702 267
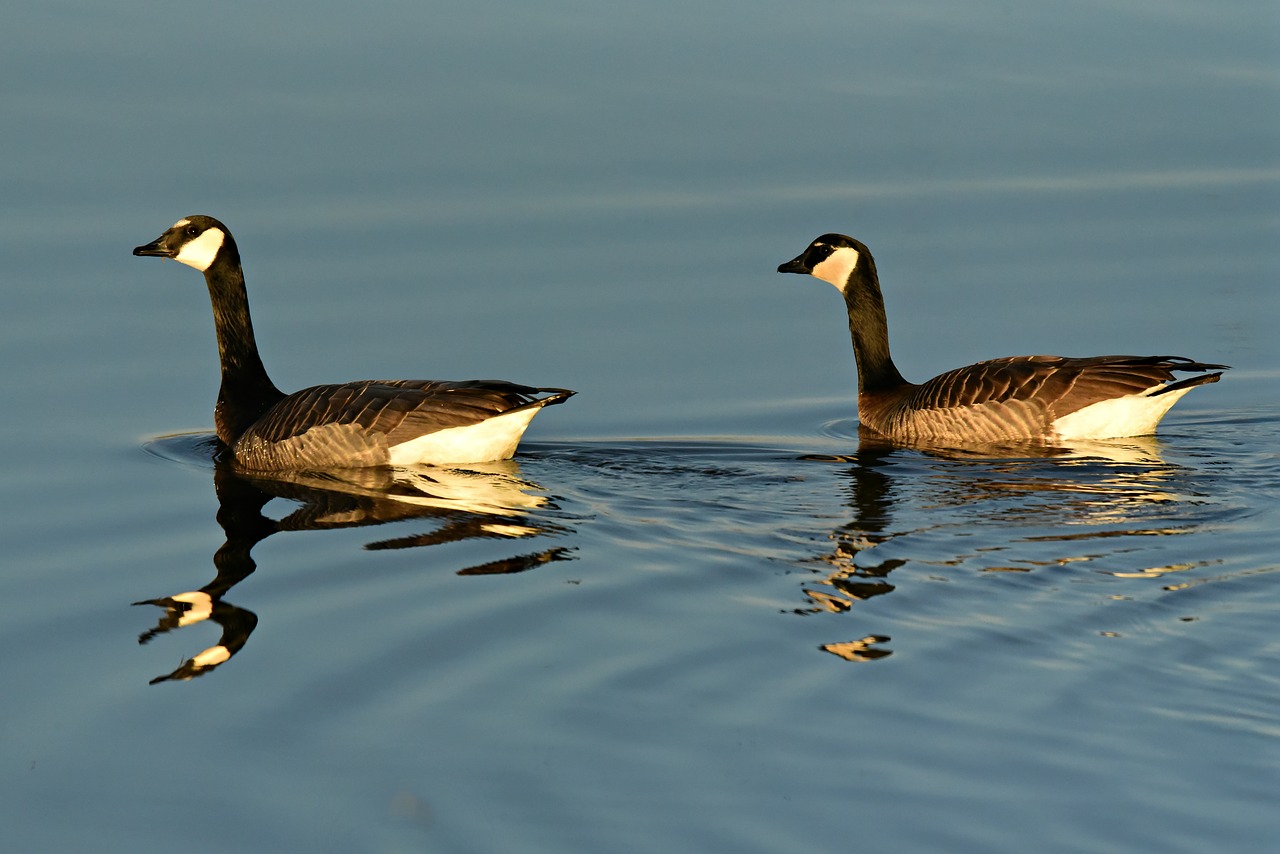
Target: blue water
pixel 695 613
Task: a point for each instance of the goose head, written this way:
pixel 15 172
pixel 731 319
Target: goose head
pixel 833 258
pixel 196 241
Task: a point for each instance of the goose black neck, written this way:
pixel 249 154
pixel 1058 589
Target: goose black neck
pixel 247 392
pixel 869 329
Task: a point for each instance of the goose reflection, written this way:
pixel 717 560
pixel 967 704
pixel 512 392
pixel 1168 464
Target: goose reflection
pixel 483 501
pixel 1044 501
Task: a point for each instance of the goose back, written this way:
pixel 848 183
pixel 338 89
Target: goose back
pixel 376 422
pixel 1035 397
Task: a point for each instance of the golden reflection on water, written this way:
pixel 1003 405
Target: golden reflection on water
pixel 489 501
pixel 1011 509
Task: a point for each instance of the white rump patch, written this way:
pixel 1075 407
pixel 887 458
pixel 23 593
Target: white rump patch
pixel 837 267
pixel 199 253
pixel 492 439
pixel 1131 415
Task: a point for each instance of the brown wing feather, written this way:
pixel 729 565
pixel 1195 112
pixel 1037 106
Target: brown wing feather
pixel 391 407
pixel 356 423
pixel 1062 384
pixel 1020 397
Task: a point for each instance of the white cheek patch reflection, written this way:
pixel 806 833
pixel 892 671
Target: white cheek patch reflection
pixel 199 253
pixel 837 267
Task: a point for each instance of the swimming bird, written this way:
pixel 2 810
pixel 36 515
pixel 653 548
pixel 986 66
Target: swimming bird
pixel 1049 399
pixel 348 425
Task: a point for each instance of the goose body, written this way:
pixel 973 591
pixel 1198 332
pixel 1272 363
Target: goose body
pixel 356 424
pixel 1024 398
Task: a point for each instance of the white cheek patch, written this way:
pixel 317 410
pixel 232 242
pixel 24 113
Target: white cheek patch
pixel 211 657
pixel 199 253
pixel 837 267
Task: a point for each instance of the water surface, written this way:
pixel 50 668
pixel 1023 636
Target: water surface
pixel 695 613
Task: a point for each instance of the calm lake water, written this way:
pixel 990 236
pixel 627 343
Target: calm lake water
pixel 695 613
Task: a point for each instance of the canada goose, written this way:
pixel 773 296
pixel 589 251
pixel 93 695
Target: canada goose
pixel 1039 398
pixel 364 423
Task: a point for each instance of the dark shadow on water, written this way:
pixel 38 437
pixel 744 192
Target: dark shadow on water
pixel 1032 507
pixel 488 501
pixel 1018 512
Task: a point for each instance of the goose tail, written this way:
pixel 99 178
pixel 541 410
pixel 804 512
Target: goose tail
pixel 1180 363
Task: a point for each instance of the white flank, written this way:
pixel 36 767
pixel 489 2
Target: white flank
pixel 491 488
pixel 1131 415
pixel 492 439
pixel 512 531
pixel 201 607
pixel 199 253
pixel 492 492
pixel 837 266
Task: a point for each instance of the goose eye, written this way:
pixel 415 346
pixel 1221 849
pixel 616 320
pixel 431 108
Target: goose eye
pixel 192 231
